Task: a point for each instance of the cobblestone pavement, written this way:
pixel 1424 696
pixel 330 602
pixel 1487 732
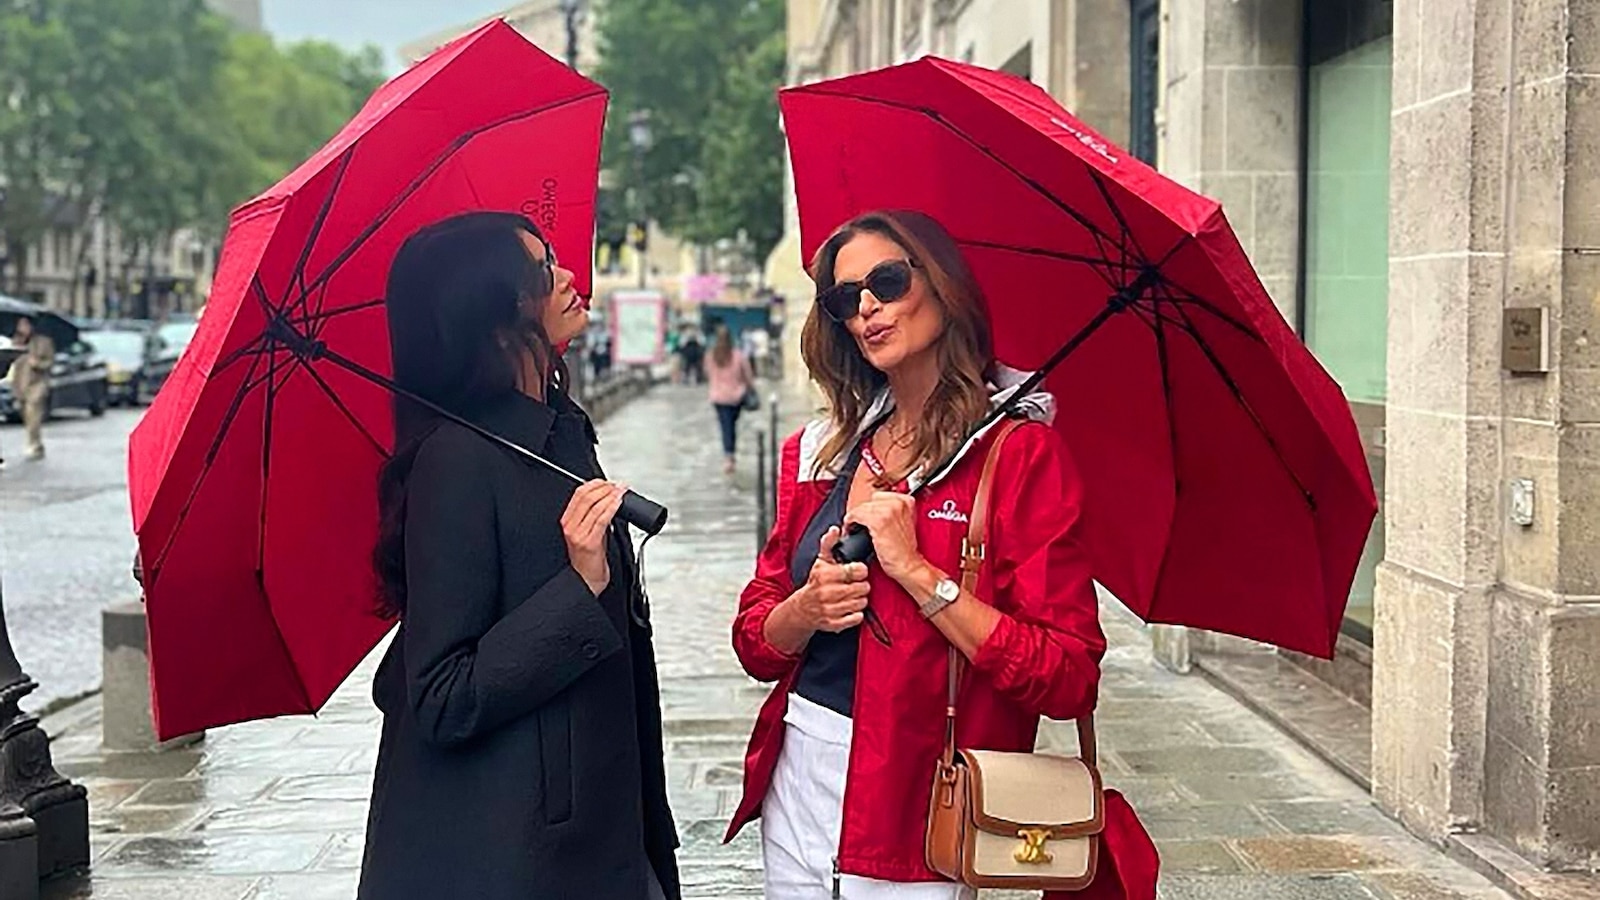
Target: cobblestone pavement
pixel 275 809
pixel 66 546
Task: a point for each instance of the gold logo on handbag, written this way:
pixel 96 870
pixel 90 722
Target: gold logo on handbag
pixel 1032 850
pixel 984 801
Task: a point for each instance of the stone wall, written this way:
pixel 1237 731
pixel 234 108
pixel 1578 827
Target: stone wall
pixel 1231 73
pixel 1488 633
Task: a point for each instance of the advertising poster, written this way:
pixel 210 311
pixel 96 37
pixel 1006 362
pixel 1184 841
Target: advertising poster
pixel 638 327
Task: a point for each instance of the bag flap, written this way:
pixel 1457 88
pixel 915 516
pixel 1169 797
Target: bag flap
pixel 1016 791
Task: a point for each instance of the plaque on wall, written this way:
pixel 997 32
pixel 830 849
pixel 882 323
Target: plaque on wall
pixel 1525 340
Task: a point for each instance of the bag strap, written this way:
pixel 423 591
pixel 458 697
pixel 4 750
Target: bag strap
pixel 972 556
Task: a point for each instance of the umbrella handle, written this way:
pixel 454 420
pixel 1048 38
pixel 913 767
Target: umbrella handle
pixel 642 513
pixel 855 546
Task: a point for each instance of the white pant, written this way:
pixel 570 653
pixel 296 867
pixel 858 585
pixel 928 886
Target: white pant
pixel 803 811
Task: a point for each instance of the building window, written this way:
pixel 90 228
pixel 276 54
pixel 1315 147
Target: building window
pixel 1344 302
pixel 1144 70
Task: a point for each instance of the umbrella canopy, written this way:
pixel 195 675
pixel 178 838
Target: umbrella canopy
pixel 254 475
pixel 59 328
pixel 1226 487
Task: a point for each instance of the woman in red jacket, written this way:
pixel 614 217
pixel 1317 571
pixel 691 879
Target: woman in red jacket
pixel 842 758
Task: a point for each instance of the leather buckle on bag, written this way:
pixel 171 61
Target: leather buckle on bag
pixel 1032 851
pixel 971 557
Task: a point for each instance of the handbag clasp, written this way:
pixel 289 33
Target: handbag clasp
pixel 1032 851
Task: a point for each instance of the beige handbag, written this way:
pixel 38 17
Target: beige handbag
pixel 1024 821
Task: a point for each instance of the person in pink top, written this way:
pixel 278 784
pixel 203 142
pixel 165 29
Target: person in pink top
pixel 730 378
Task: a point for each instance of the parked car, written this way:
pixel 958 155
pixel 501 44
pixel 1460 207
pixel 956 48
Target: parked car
pixel 166 344
pixel 78 378
pixel 123 350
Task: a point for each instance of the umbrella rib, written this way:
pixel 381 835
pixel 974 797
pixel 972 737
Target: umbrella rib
pixel 266 464
pixel 298 276
pixel 1050 254
pixel 1166 396
pixel 1076 216
pixel 428 171
pixel 245 387
pixel 1189 298
pixel 1128 237
pixel 1238 396
pixel 314 318
pixel 253 349
pixel 334 398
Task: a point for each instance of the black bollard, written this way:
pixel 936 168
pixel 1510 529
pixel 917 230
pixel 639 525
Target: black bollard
pixel 59 809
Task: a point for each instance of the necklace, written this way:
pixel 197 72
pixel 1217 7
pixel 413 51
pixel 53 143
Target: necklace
pixel 880 472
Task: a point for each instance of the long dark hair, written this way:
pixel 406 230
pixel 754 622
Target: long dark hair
pixel 457 300
pixel 966 353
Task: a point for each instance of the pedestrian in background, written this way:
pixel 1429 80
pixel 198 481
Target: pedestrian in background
pixel 692 351
pixel 30 381
pixel 521 753
pixel 730 378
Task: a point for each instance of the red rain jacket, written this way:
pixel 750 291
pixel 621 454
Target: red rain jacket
pixel 1042 659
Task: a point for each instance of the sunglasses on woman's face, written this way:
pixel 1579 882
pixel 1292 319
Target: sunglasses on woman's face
pixel 888 281
pixel 547 269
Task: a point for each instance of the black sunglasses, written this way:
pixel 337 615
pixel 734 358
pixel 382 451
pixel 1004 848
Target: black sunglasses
pixel 888 281
pixel 547 270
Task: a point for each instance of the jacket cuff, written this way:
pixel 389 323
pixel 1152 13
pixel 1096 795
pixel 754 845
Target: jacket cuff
pixel 768 654
pixel 992 657
pixel 550 640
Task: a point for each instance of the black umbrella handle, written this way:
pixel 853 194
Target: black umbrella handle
pixel 642 513
pixel 855 546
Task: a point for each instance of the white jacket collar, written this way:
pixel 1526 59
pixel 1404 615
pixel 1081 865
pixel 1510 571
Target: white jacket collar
pixel 1038 406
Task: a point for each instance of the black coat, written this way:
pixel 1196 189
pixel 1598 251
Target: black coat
pixel 521 756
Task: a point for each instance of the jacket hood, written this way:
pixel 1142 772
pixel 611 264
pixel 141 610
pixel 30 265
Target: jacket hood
pixel 1036 406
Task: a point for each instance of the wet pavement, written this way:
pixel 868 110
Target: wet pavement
pixel 275 809
pixel 66 546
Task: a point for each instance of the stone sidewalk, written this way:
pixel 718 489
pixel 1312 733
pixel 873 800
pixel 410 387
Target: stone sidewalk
pixel 275 809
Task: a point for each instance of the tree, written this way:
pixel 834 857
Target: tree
pixel 35 125
pixel 146 88
pixel 703 73
pixel 276 107
pixel 154 114
pixel 743 154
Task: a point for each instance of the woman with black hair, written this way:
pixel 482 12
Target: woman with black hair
pixel 521 754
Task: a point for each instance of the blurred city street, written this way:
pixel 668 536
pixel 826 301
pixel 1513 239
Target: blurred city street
pixel 66 547
pixel 276 809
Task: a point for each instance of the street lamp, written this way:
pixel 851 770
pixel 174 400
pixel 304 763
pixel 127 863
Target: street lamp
pixel 640 138
pixel 572 13
pixel 37 805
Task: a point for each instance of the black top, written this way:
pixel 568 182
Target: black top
pixel 521 752
pixel 828 672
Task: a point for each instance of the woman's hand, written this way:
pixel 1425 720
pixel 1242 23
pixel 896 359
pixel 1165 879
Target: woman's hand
pixel 891 518
pixel 584 526
pixel 833 599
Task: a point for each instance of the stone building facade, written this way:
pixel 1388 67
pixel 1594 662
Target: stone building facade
pixel 1408 177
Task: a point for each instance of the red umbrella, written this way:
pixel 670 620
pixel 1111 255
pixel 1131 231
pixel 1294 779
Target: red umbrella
pixel 254 475
pixel 1226 487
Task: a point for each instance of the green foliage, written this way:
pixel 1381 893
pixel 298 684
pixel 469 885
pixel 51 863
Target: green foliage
pixel 155 113
pixel 705 72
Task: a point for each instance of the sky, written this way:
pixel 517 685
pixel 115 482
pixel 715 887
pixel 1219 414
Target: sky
pixel 387 23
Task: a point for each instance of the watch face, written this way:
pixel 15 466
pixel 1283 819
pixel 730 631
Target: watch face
pixel 947 590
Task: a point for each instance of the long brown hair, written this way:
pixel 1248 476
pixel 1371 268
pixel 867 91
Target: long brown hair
pixel 722 347
pixel 965 350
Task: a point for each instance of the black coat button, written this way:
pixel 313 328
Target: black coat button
pixel 591 650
